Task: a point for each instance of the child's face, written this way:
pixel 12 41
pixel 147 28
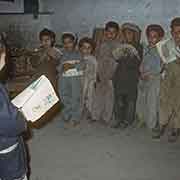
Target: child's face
pixel 111 33
pixel 153 38
pixel 68 44
pixel 46 41
pixel 129 36
pixel 86 49
pixel 176 35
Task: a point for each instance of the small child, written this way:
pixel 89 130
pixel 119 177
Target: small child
pixel 44 62
pixel 150 79
pixel 13 163
pixel 87 47
pixel 47 57
pixel 70 72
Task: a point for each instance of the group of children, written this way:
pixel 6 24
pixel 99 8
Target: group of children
pixel 117 82
pixel 104 83
pixel 113 83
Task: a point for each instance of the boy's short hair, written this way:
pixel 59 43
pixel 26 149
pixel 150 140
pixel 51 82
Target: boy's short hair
pixel 47 32
pixel 112 24
pixel 155 27
pixel 68 35
pixel 175 22
pixel 87 40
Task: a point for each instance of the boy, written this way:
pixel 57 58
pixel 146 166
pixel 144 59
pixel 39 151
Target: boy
pixel 106 67
pixel 87 47
pixel 70 72
pixel 170 99
pixel 46 58
pixel 125 79
pixel 150 79
pixel 132 35
pixel 44 62
pixel 125 82
pixel 13 163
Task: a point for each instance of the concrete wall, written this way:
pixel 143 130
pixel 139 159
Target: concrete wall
pixel 16 6
pixel 82 16
pixel 22 29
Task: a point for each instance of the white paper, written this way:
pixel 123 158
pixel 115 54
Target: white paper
pixel 168 51
pixel 72 72
pixel 72 62
pixel 36 99
pixel 2 60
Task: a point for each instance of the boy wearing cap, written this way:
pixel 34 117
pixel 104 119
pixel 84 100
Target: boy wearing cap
pixel 125 79
pixel 132 35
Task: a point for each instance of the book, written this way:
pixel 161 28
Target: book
pixel 168 50
pixel 36 99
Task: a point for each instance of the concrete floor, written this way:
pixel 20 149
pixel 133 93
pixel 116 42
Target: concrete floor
pixel 94 152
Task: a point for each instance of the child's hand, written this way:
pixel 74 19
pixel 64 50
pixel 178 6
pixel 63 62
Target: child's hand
pixel 52 53
pixel 145 76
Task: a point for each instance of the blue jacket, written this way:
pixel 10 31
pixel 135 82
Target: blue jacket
pixel 12 124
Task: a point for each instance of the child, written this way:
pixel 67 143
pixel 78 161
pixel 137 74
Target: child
pixel 106 67
pixel 12 125
pixel 125 79
pixel 44 62
pixel 150 79
pixel 46 58
pixel 132 35
pixel 170 99
pixel 70 72
pixel 87 46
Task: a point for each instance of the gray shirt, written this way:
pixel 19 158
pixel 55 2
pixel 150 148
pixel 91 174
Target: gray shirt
pixel 151 62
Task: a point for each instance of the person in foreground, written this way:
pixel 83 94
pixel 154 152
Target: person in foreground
pixel 13 165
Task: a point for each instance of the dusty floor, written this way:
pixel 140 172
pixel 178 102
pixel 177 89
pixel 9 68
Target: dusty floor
pixel 94 152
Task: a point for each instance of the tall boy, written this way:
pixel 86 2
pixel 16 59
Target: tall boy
pixel 106 67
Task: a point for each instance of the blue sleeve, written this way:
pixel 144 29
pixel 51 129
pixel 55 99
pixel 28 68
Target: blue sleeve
pixel 12 122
